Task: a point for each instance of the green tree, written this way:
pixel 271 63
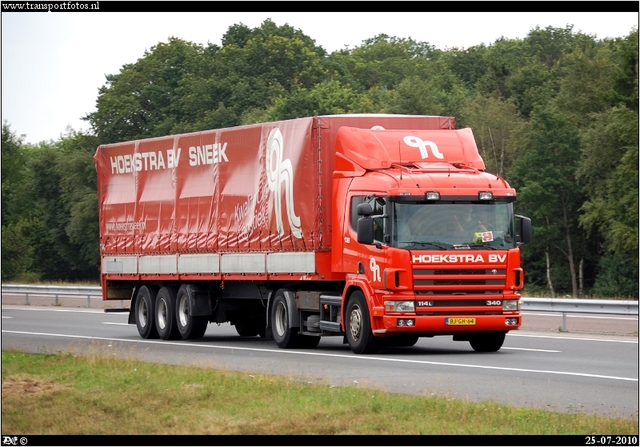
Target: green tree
pixel 382 62
pixel 79 198
pixel 181 87
pixel 585 82
pixel 617 277
pixel 548 193
pixel 494 123
pixel 626 76
pixel 502 58
pixel 271 54
pixel 434 91
pixel 259 65
pixel 13 162
pixel 62 225
pixel 328 98
pixel 609 173
pixel 17 253
pixel 469 65
pixel 141 100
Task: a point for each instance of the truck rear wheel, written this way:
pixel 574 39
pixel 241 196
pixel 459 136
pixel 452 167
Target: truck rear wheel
pixel 145 312
pixel 358 326
pixel 166 315
pixel 190 327
pixel 489 342
pixel 285 336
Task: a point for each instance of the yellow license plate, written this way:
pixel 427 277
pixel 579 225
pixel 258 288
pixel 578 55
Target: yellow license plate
pixel 460 321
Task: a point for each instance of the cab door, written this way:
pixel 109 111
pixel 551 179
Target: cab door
pixel 367 259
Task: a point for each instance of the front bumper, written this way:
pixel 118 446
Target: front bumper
pixel 446 324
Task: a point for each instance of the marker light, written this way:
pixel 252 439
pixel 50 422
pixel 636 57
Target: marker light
pixel 485 195
pixel 432 195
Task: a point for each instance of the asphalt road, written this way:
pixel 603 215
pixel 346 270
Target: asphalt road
pixel 542 368
pixel 541 321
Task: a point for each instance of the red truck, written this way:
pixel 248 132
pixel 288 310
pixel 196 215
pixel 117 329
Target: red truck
pixel 378 228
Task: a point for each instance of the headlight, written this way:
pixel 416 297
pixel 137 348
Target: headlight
pixel 399 306
pixel 511 305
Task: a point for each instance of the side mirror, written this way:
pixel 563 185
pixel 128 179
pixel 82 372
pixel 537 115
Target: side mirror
pixel 526 232
pixel 365 227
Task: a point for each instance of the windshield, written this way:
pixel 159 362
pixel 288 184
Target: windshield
pixel 453 225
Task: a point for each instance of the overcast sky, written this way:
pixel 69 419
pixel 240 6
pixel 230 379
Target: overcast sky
pixel 54 63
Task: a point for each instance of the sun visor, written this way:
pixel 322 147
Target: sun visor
pixel 375 149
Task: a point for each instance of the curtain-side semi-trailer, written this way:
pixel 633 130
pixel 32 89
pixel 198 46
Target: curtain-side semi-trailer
pixel 378 228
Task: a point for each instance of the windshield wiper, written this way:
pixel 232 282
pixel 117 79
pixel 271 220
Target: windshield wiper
pixel 426 244
pixel 489 247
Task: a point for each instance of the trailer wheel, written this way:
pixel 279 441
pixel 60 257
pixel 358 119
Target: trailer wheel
pixel 285 336
pixel 166 315
pixel 190 327
pixel 145 312
pixel 358 326
pixel 489 342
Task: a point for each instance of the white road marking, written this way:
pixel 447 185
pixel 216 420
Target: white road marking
pixel 574 315
pixel 322 354
pixel 530 349
pixel 565 337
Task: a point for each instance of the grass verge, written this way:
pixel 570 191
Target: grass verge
pixel 50 394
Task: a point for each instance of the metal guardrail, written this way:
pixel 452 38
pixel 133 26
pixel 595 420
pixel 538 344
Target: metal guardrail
pixel 570 305
pixel 617 307
pixel 56 291
pixel 563 305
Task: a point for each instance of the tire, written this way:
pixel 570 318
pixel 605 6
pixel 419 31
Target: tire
pixel 190 327
pixel 358 326
pixel 489 342
pixel 284 336
pixel 166 314
pixel 145 312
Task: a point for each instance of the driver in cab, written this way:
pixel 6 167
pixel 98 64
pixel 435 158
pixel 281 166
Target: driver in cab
pixel 468 221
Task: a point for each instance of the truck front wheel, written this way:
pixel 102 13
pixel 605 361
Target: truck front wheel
pixel 358 326
pixel 285 336
pixel 489 342
pixel 165 314
pixel 190 327
pixel 145 312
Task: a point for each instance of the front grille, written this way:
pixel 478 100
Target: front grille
pixel 458 290
pixel 458 281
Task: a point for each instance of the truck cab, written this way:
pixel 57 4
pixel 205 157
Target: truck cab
pixel 429 240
